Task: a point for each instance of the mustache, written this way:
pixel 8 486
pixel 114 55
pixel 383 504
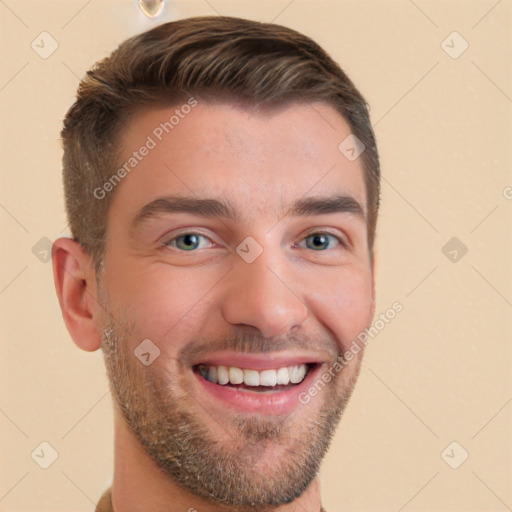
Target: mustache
pixel 242 340
pixel 254 343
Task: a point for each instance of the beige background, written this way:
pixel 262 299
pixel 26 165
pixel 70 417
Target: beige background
pixel 439 372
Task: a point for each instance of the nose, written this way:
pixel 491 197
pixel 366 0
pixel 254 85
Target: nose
pixel 261 294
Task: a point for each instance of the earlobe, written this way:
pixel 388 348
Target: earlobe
pixel 75 284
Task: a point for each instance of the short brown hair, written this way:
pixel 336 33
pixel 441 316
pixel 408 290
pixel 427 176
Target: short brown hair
pixel 210 57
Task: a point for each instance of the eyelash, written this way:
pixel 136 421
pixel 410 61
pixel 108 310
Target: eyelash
pixel 172 242
pixel 340 240
pixel 169 243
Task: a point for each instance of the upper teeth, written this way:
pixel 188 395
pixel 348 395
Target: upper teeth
pixel 224 374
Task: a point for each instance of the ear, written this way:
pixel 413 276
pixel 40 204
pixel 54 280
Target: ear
pixel 374 276
pixel 75 284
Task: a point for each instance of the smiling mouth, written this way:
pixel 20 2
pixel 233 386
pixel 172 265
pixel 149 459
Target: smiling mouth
pixel 256 381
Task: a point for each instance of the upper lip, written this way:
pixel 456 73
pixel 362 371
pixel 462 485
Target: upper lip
pixel 259 361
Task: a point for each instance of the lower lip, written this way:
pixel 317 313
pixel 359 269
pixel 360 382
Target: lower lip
pixel 274 402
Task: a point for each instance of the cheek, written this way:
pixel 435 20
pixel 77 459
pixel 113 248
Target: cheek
pixel 159 300
pixel 344 305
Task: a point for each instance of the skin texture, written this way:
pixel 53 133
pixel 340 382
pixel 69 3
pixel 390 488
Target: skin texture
pixel 293 299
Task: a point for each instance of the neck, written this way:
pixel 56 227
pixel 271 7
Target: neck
pixel 139 485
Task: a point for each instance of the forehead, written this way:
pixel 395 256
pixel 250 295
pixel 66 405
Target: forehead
pixel 260 161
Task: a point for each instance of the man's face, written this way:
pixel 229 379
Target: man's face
pixel 267 281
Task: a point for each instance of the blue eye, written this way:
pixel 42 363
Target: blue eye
pixel 188 242
pixel 192 241
pixel 321 241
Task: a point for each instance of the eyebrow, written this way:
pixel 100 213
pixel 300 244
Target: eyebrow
pixel 332 204
pixel 220 208
pixel 177 204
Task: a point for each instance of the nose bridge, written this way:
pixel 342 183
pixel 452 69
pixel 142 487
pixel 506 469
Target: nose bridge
pixel 264 294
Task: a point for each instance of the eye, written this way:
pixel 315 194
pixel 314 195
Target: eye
pixel 189 242
pixel 322 241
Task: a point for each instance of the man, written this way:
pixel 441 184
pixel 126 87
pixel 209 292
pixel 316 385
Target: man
pixel 222 188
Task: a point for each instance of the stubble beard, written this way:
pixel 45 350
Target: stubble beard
pixel 234 471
